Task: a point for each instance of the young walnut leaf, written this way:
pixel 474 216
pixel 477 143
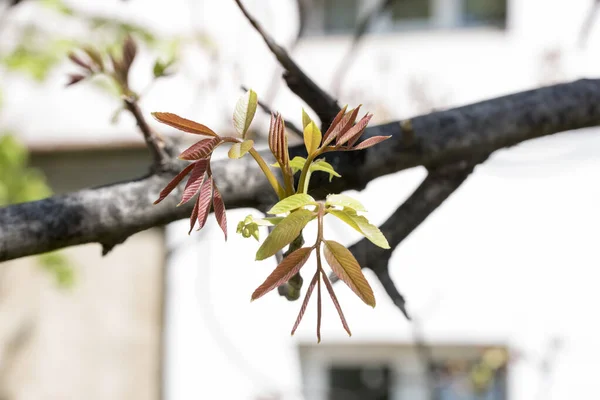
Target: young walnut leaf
pixel 296 164
pixel 335 123
pixel 372 141
pixel 204 202
pixel 342 127
pixel 278 141
pixel 183 124
pixel 291 203
pixel 194 181
pixel 219 208
pixel 312 137
pixel 305 119
pixel 284 271
pixel 173 184
pixel 245 109
pixel 284 233
pixel 355 132
pixel 342 200
pixel 336 303
pixel 194 215
pixel 362 225
pixel 201 149
pixel 309 291
pixel 239 149
pixel 345 266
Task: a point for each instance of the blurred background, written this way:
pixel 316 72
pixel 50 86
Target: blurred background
pixel 501 280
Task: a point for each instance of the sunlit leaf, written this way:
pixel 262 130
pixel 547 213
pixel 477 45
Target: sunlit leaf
pixel 284 271
pixel 201 149
pixel 284 233
pixel 343 200
pixel 219 208
pixel 355 132
pixel 245 109
pixel 173 184
pixel 296 164
pixel 305 119
pixel 239 149
pixel 372 141
pixel 345 266
pixel 312 137
pixel 336 303
pixel 183 124
pixel 95 56
pixel 194 181
pixel 309 291
pixel 362 225
pixel 291 203
pixel 324 166
pixel 204 201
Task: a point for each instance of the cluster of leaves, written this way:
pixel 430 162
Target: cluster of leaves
pixel 296 208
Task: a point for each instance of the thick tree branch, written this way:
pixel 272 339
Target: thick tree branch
pixel 298 82
pixel 111 213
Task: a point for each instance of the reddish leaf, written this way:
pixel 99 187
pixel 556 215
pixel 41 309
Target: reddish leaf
pixel 309 291
pixel 355 132
pixel 372 141
pixel 201 149
pixel 173 184
pixel 345 266
pixel 75 78
pixel 194 215
pixel 343 126
pixel 129 52
pixel 278 141
pixel 183 124
pixel 284 271
pixel 194 181
pixel 77 60
pixel 219 208
pixel 336 304
pixel 204 200
pixel 335 122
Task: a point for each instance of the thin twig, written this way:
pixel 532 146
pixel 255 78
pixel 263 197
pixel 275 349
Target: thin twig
pixel 156 145
pixel 317 99
pixel 350 56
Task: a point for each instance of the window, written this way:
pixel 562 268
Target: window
pixel 342 16
pixel 360 383
pixel 396 372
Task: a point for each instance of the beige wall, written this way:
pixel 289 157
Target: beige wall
pixel 100 339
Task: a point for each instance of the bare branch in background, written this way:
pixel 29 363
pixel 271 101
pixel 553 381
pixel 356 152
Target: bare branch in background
pixel 361 28
pixel 298 82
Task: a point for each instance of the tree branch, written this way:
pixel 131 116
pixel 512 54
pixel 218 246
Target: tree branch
pixel 157 146
pixel 298 82
pixel 111 213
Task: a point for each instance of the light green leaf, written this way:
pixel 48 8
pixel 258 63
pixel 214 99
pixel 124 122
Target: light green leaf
pixel 362 225
pixel 244 112
pixel 239 149
pixel 284 233
pixel 296 164
pixel 312 137
pixel 291 203
pixel 305 119
pixel 345 266
pixel 324 166
pixel 342 200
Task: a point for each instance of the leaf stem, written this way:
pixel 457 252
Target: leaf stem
pixel 270 177
pixel 305 174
